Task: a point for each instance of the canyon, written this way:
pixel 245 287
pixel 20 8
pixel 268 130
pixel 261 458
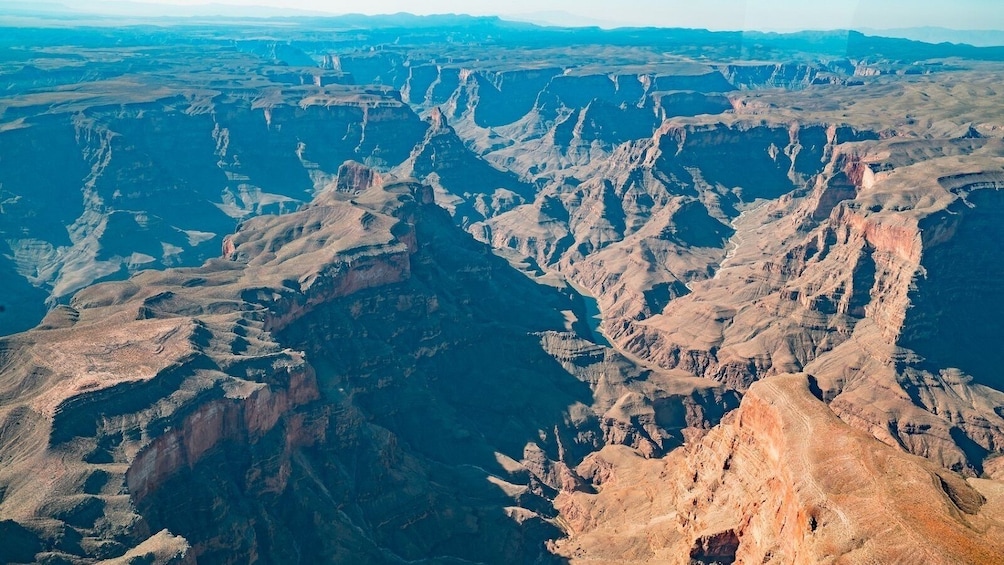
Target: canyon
pixel 460 290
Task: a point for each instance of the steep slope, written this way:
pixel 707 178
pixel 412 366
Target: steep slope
pixel 756 242
pixel 356 380
pixel 755 491
pixel 157 164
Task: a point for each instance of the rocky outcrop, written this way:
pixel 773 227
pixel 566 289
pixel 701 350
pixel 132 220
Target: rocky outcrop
pixel 149 380
pixel 753 490
pixel 164 394
pixel 469 187
pixel 159 181
pixel 649 410
pixel 789 76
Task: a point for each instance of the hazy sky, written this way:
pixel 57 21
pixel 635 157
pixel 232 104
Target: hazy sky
pixel 768 15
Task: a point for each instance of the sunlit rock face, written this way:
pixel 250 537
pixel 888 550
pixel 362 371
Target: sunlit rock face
pixel 457 290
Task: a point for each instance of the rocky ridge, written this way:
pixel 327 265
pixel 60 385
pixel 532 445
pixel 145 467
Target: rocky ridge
pixel 754 491
pixel 220 377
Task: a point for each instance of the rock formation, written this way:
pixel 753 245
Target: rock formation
pixel 755 491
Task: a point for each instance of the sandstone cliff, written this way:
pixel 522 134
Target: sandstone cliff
pixel 755 491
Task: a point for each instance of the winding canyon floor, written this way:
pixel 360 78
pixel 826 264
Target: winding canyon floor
pixel 455 290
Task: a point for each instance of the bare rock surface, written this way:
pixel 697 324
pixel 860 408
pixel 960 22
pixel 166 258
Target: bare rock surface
pixel 327 363
pixel 755 491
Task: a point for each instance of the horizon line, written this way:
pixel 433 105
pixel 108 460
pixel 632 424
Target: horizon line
pixel 51 11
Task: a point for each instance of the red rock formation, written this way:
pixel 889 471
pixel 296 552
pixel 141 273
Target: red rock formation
pixel 196 372
pixel 243 419
pixel 759 489
pixel 355 177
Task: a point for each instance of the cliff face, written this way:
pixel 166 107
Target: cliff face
pixel 843 270
pixel 161 397
pixel 754 490
pixel 159 180
pixel 136 383
pixel 955 290
pixel 657 219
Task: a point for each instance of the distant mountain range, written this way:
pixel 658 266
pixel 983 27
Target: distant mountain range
pixel 146 10
pixel 125 8
pixel 979 38
pixel 559 18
